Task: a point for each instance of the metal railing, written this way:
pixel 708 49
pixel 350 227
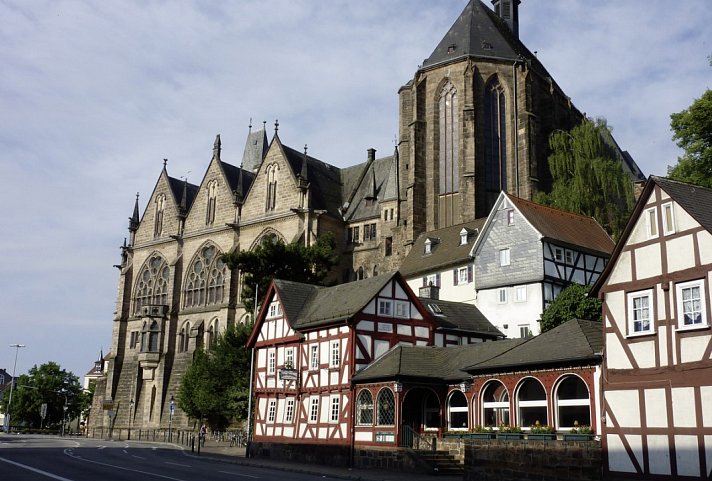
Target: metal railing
pixel 415 440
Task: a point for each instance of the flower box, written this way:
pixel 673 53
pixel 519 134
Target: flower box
pixel 510 436
pixel 541 436
pixel 578 437
pixel 482 435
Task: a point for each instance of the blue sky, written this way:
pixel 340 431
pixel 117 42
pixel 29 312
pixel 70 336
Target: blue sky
pixel 93 95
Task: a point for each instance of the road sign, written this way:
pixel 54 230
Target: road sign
pixel 43 410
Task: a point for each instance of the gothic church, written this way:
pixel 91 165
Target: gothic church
pixel 474 120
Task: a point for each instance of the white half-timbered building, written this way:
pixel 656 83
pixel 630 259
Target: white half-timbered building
pixel 526 254
pixel 309 341
pixel 657 372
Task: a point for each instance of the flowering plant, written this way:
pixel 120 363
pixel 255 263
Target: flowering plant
pixel 506 428
pixel 537 428
pixel 582 429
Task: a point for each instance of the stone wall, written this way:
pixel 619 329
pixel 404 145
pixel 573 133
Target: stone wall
pixel 489 460
pixel 339 455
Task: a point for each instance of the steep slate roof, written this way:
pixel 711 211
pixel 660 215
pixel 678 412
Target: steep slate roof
pixel 358 207
pixel 479 32
pixel 462 316
pixel 696 200
pixel 232 174
pixel 177 185
pixel 325 180
pixel 307 306
pixel 558 225
pixel 431 363
pixel 447 252
pixel 574 341
pixel 255 149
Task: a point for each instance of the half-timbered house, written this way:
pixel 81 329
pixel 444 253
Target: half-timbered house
pixel 657 382
pixel 309 342
pixel 526 254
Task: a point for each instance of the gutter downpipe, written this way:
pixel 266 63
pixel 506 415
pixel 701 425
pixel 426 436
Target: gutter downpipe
pixel 252 377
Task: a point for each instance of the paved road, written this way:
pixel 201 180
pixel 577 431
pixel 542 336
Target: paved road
pixel 35 458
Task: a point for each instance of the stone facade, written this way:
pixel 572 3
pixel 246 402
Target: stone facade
pixel 165 309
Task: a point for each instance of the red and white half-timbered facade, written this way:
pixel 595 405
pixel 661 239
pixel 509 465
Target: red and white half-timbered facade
pixel 657 380
pixel 309 342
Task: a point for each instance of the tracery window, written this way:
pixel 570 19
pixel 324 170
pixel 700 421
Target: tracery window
pixel 212 202
pixel 152 284
pixel 184 337
pixel 386 408
pixel 205 281
pixel 364 408
pixel 495 140
pixel 449 166
pixel 158 217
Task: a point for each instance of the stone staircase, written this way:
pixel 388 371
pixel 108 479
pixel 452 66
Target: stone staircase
pixel 441 462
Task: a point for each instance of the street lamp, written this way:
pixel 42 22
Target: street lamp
pixel 131 405
pixel 9 401
pixel 170 420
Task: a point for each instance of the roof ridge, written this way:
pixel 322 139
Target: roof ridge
pixel 555 209
pixel 657 178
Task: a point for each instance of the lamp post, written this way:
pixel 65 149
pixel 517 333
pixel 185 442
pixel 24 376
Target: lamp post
pixel 131 405
pixel 170 420
pixel 9 401
pixel 64 416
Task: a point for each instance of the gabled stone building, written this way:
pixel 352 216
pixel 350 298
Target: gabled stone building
pixel 474 120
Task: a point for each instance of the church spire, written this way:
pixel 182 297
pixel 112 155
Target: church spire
pixel 217 147
pixel 134 219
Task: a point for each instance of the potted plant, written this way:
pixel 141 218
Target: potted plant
pixel 509 432
pixel 579 433
pixel 481 432
pixel 541 432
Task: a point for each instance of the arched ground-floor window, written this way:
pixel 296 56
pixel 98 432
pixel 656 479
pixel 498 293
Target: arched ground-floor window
pixel 495 404
pixel 458 417
pixel 531 402
pixel 573 403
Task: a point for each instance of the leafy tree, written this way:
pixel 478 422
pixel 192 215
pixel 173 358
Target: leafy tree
pixel 49 384
pixel 571 303
pixel 275 259
pixel 588 176
pixel 692 131
pixel 216 385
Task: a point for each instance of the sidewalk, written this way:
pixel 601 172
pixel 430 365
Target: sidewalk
pixel 222 452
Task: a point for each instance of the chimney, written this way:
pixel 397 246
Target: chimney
pixel 508 11
pixel 371 155
pixel 429 292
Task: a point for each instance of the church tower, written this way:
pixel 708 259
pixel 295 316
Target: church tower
pixel 475 120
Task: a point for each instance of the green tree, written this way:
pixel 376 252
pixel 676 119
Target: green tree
pixel 571 303
pixel 275 259
pixel 692 131
pixel 216 385
pixel 588 176
pixel 49 384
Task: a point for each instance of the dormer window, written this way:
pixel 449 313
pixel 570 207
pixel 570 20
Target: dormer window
pixel 428 246
pixel 463 237
pixel 435 309
pixel 510 217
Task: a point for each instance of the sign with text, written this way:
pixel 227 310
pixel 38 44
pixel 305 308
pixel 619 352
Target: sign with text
pixel 288 374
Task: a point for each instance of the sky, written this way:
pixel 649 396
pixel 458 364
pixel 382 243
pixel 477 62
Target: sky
pixel 93 95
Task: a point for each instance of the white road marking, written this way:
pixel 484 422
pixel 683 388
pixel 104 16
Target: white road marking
pixel 239 474
pixel 177 464
pixel 66 451
pixel 35 470
pixel 125 452
pixel 137 457
pixel 101 447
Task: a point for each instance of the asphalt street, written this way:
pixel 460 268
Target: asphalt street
pixel 25 458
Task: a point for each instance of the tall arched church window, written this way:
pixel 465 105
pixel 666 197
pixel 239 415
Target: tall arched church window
pixel 448 149
pixel 158 217
pixel 495 141
pixel 184 337
pixel 152 284
pixel 271 187
pixel 212 201
pixel 205 281
pixel 212 335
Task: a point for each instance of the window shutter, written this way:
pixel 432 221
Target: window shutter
pixel 469 273
pixel 454 277
pixel 437 279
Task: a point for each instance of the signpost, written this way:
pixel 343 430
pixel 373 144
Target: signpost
pixel 43 413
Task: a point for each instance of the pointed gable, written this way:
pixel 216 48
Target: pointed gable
pixel 369 184
pixel 163 208
pixel 324 180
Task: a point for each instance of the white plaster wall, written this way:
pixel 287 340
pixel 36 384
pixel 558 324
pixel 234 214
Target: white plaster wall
pixel 680 253
pixel 512 313
pixel 687 454
pixel 624 405
pixel 706 395
pixel 659 454
pixel 622 270
pixel 448 291
pixel 644 352
pixel 656 402
pixel 683 407
pixel 618 459
pixel 647 261
pixel 704 240
pixel 692 349
pixel 615 355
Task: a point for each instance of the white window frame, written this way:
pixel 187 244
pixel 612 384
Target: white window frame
pixel 289 357
pixel 510 217
pixel 631 297
pixel 431 280
pixel 668 227
pixel 335 409
pixel 679 288
pixel 651 222
pixel 401 309
pixel 502 296
pixel 271 361
pixel 504 257
pixel 428 249
pixel 314 409
pixel 274 310
pixel 462 275
pixel 520 294
pixel 314 357
pixel 527 331
pixel 558 254
pixel 569 257
pixel 335 354
pixel 289 410
pixel 272 411
pixel 385 307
